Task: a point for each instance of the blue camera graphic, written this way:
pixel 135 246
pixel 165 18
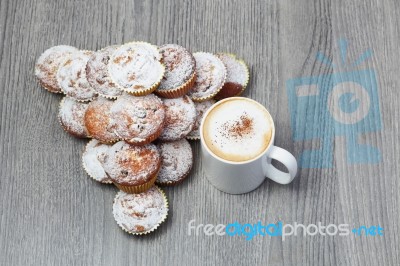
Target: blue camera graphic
pixel 338 104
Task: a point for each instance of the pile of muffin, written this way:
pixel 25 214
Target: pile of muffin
pixel 139 104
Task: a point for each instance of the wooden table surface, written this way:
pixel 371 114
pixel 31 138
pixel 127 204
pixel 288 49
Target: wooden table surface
pixel 51 213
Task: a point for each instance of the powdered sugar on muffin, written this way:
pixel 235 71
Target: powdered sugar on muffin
pixel 236 69
pixel 72 117
pixel 177 161
pixel 92 157
pixel 211 75
pixel 179 66
pixel 180 116
pixel 137 120
pixel 201 109
pixel 47 66
pixel 140 213
pixel 97 73
pixel 98 120
pixel 237 76
pixel 135 67
pixel 128 164
pixel 71 76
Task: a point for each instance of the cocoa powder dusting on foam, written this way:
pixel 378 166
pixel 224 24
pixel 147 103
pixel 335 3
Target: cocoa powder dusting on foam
pixel 238 128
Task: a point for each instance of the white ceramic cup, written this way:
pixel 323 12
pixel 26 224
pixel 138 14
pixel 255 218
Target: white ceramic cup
pixel 245 176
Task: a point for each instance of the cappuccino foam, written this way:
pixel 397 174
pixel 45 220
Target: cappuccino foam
pixel 238 129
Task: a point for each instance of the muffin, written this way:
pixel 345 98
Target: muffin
pixel 98 120
pixel 211 75
pixel 131 168
pixel 180 116
pixel 201 109
pixel 71 115
pixel 179 73
pixel 177 161
pixel 135 68
pixel 92 157
pixel 237 76
pixel 139 214
pixel 137 120
pixel 71 77
pixel 97 73
pixel 47 66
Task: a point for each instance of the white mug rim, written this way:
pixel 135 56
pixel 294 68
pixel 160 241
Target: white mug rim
pixel 233 162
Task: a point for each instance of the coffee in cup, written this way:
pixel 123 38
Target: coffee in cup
pixel 238 129
pixel 237 146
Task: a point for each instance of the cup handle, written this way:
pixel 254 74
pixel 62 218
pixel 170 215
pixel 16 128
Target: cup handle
pixel 287 159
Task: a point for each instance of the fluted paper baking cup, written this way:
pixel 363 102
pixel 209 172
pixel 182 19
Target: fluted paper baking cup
pixel 157 225
pixel 178 92
pixel 136 189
